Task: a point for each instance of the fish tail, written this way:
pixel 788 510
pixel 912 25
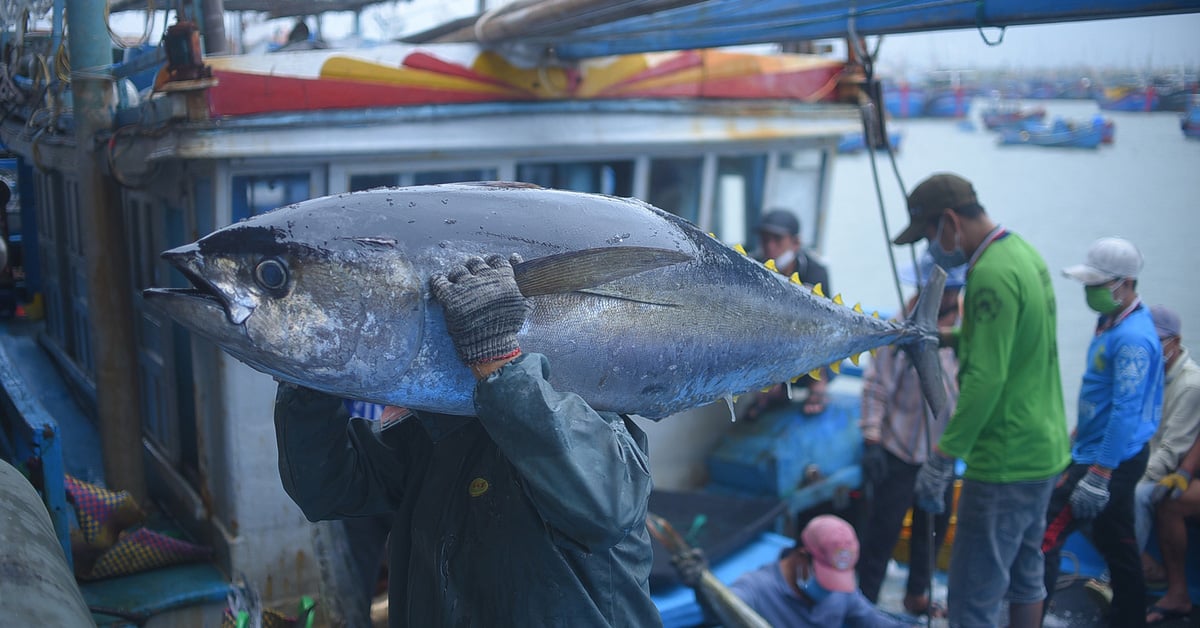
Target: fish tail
pixel 923 348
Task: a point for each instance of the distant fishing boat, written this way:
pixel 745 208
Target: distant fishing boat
pixel 1009 114
pixel 1061 134
pixel 1190 120
pixel 855 142
pixel 1129 98
pixel 903 100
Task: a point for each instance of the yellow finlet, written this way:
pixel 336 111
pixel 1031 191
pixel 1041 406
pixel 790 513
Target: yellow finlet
pixel 767 389
pixel 874 314
pixel 837 298
pixel 858 308
pixel 854 359
pixel 817 290
pixel 796 278
pixel 873 352
pixel 796 379
pixel 836 367
pixel 815 373
pixel 770 264
pixel 739 248
pixel 712 235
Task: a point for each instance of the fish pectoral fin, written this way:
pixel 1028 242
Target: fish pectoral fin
pixel 588 268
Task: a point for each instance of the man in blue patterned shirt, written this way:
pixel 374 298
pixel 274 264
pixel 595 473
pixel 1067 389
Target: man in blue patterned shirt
pixel 1120 404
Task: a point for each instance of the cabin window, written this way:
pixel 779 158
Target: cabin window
pixel 80 347
pixel 367 181
pixel 453 176
pixel 738 197
pixel 614 178
pixel 796 186
pixel 255 194
pixel 359 182
pixel 675 186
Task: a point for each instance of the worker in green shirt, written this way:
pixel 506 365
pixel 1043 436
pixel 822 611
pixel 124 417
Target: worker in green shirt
pixel 1009 424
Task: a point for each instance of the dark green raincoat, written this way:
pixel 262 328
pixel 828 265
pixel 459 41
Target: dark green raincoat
pixel 533 514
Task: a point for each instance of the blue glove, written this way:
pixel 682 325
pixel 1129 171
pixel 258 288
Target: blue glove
pixel 933 478
pixel 1171 486
pixel 1091 494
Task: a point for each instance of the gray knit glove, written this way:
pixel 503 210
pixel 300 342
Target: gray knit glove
pixel 484 308
pixel 933 478
pixel 1091 493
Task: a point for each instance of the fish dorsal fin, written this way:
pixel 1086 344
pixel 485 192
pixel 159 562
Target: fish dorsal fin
pixel 588 268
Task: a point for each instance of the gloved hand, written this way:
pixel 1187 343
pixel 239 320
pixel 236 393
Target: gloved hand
pixel 1091 494
pixel 1171 486
pixel 932 479
pixel 483 306
pixel 873 463
pixel 690 565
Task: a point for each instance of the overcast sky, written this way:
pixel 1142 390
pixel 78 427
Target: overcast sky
pixel 1136 43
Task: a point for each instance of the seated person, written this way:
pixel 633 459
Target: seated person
pixel 1179 427
pixel 811 585
pixel 1178 497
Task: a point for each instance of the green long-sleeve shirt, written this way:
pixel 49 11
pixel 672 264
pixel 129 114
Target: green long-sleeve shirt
pixel 1009 424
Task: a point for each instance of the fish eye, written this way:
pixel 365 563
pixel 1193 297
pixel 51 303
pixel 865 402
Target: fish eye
pixel 271 274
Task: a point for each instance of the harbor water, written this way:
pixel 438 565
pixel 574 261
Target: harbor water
pixel 1144 187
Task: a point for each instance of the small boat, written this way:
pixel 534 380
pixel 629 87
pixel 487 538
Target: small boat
pixel 1062 134
pixel 1107 129
pixel 855 143
pixel 1129 98
pixel 1190 121
pixel 903 100
pixel 1010 115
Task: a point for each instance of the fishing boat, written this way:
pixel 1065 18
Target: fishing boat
pixel 1129 97
pixel 1006 114
pixel 1189 122
pixel 854 142
pixel 1059 134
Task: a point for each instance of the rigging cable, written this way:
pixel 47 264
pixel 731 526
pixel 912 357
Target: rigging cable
pixel 869 111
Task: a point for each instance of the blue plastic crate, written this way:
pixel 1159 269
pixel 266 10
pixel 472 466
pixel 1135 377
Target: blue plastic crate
pixel 770 455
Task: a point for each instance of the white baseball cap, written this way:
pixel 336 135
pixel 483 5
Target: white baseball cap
pixel 1107 259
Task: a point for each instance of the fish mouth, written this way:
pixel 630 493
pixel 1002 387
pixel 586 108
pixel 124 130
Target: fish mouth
pixel 201 307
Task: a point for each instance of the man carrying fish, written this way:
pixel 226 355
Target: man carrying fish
pixel 1009 424
pixel 529 514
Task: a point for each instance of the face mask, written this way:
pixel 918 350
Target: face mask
pixel 1168 355
pixel 942 257
pixel 785 259
pixel 1101 299
pixel 812 588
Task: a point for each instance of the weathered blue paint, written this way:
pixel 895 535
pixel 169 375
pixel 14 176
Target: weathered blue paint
pixel 733 22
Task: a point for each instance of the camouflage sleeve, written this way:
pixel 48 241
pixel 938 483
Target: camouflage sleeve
pixel 331 466
pixel 586 473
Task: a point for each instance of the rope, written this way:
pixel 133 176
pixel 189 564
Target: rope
pixel 116 39
pixel 979 24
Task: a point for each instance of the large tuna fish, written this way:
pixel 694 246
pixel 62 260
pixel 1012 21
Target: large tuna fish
pixel 637 310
